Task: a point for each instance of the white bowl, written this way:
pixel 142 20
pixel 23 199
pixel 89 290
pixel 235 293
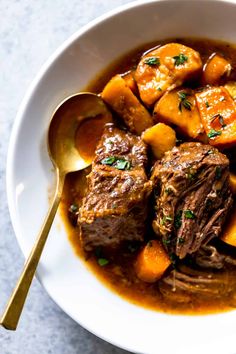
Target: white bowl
pixel 29 177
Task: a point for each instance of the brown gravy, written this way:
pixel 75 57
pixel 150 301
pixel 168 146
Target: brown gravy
pixel 119 274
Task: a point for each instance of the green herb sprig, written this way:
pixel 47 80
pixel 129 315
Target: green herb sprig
pixel 119 163
pixel 180 59
pixel 189 214
pixel 183 96
pixel 165 219
pixel 178 219
pixel 214 133
pixel 102 262
pixel 152 61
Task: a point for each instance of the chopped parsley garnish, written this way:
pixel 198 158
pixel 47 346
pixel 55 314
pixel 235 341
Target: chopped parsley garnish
pixel 122 164
pixel 213 133
pixel 165 218
pixel 102 262
pixel 191 174
pixel 73 208
pixel 189 214
pixel 207 104
pixel 221 119
pixel 178 219
pixel 184 101
pixel 181 240
pixel 218 172
pixel 166 241
pixel 180 59
pixel 117 162
pixel 108 160
pixel 159 89
pixel 152 61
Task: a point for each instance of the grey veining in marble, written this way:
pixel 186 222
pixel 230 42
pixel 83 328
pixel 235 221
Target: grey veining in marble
pixel 29 32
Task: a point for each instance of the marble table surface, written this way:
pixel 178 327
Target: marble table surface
pixel 29 32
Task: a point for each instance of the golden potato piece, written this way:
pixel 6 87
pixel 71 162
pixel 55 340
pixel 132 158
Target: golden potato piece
pixel 215 68
pixel 161 138
pixel 165 68
pixel 119 96
pixel 179 108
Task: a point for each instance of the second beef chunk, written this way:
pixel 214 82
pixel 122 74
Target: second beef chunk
pixel 192 197
pixel 115 207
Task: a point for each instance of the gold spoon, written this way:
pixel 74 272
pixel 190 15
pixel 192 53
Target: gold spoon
pixel 66 158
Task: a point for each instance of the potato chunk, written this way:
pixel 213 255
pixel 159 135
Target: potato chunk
pixel 215 68
pixel 178 108
pixel 152 262
pixel 165 68
pixel 218 114
pixel 119 96
pixel 161 138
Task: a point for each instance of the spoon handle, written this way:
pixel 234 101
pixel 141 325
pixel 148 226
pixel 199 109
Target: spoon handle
pixel 16 302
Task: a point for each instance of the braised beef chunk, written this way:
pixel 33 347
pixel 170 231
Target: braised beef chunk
pixel 115 207
pixel 192 197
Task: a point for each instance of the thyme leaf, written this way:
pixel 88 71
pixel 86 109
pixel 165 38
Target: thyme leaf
pixel 213 133
pixel 180 59
pixel 119 163
pixel 152 61
pixel 183 96
pixel 189 214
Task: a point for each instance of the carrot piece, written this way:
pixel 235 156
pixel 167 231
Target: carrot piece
pixel 152 262
pixel 229 232
pixel 161 138
pixel 179 108
pixel 218 114
pixel 232 182
pixel 215 68
pixel 119 96
pixel 165 68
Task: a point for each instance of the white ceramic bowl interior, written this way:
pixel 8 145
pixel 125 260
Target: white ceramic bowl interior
pixel 29 177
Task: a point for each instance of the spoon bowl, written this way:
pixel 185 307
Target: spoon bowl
pixel 64 125
pixel 64 153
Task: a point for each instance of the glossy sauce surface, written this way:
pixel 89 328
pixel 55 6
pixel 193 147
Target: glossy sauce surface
pixel 119 273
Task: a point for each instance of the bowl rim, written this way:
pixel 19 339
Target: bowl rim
pixel 20 115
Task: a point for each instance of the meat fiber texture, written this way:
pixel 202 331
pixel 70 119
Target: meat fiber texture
pixel 115 207
pixel 192 197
